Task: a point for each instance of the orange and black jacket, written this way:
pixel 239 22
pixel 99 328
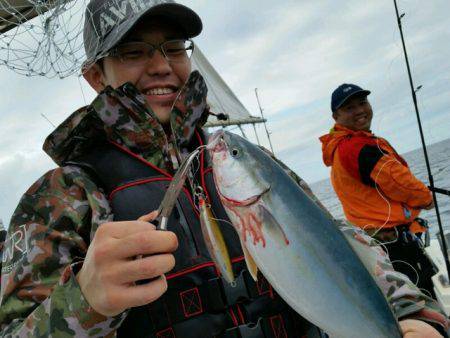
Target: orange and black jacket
pixel 373 182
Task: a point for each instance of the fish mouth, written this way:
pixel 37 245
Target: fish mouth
pixel 216 143
pixel 243 203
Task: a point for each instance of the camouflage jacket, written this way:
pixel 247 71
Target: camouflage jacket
pixel 58 216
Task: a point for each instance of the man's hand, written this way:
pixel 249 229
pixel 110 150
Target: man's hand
pixel 110 269
pixel 412 328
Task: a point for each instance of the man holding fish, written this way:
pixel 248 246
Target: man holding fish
pixel 82 257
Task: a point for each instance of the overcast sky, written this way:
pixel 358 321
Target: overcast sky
pixel 296 52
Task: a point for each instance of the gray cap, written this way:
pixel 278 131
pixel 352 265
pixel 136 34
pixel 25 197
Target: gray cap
pixel 107 22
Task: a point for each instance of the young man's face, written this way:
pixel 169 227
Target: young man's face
pixel 158 79
pixel 356 114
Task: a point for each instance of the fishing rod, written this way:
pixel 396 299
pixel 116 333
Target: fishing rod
pixel 424 146
pixel 265 125
pixel 440 191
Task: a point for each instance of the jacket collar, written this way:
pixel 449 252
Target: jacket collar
pixel 331 141
pixel 122 115
pixel 340 129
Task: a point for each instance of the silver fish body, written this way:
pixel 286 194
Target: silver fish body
pixel 296 245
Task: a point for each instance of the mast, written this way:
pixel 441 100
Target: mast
pixel 262 116
pixel 422 138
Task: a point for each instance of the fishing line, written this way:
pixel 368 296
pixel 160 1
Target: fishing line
pixel 415 271
pixel 82 91
pixel 197 167
pixel 426 292
pixel 228 222
pixel 383 244
pixel 222 220
pixel 192 175
pixel 200 193
pixel 377 242
pixel 382 196
pixel 175 144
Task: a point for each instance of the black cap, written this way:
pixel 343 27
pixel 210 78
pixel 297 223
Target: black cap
pixel 343 93
pixel 107 22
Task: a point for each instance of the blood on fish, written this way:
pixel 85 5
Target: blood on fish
pixel 231 202
pixel 258 225
pixel 250 223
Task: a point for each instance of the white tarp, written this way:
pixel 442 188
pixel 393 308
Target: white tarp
pixel 220 97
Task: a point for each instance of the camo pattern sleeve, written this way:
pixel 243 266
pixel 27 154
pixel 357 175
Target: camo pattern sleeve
pixel 46 242
pixel 406 300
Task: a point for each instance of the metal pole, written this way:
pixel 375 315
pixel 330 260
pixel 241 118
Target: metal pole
pixel 262 115
pixel 256 134
pixel 48 120
pixel 430 176
pixel 440 191
pixel 242 131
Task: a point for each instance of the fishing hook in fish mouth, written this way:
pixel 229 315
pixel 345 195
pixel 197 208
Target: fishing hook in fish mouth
pixel 217 144
pixel 244 203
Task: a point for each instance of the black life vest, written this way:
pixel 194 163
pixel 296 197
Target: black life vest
pixel 198 303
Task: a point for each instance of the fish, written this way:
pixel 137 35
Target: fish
pixel 296 245
pixel 215 242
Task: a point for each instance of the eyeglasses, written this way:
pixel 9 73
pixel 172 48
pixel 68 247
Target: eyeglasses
pixel 138 53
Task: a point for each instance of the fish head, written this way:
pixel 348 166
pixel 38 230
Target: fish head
pixel 240 178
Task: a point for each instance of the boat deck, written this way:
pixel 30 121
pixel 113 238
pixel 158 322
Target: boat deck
pixel 440 280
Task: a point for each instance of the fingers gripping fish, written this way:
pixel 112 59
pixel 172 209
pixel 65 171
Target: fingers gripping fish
pixel 296 245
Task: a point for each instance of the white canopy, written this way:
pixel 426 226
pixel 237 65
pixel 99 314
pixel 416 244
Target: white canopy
pixel 221 98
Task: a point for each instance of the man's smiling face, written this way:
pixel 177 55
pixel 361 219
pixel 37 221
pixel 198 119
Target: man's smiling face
pixel 355 114
pixel 158 79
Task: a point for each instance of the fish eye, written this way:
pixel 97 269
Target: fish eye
pixel 235 152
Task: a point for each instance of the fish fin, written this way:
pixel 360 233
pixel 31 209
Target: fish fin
pixel 271 225
pixel 250 262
